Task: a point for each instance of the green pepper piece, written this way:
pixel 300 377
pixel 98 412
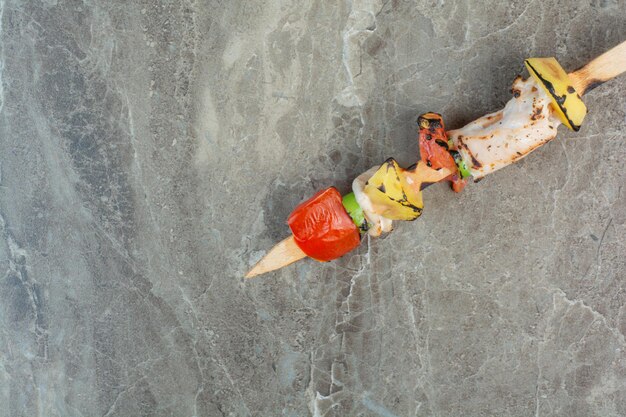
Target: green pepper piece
pixel 356 213
pixel 460 163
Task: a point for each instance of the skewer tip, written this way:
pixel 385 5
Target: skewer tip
pixel 253 272
pixel 282 254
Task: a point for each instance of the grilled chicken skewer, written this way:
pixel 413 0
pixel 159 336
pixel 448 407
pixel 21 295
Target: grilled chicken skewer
pixel 529 120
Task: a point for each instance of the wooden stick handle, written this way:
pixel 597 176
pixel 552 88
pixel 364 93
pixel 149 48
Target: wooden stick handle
pixel 608 65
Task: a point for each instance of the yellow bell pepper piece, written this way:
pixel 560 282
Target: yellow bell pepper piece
pixel 554 80
pixel 391 195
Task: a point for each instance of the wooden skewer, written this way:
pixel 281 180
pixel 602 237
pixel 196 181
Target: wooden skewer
pixel 282 254
pixel 603 68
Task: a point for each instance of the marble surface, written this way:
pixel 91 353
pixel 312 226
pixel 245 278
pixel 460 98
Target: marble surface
pixel 150 152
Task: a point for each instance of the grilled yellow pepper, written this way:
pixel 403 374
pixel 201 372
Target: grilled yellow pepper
pixel 554 80
pixel 391 194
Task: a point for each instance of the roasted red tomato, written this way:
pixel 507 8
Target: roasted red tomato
pixel 434 148
pixel 322 228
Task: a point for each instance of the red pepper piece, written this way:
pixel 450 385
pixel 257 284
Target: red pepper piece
pixel 322 228
pixel 434 147
pixel 433 142
pixel 458 183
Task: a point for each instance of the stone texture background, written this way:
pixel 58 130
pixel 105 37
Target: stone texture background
pixel 151 151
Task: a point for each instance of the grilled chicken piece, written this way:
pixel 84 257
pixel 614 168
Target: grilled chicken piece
pixel 501 138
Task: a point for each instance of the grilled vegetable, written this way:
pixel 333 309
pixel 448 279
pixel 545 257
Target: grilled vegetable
pixel 461 165
pixel 461 178
pixel 391 196
pixel 433 142
pixel 355 212
pixel 565 99
pixel 435 149
pixel 322 228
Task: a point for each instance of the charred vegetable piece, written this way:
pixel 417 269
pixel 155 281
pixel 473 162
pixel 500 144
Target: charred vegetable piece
pixel 355 212
pixel 458 184
pixel 461 178
pixel 391 195
pixel 565 99
pixel 436 149
pixel 433 142
pixel 322 228
pixel 461 165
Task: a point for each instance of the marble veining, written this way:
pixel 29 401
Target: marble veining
pixel 151 151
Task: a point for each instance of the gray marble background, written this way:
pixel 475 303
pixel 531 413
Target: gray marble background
pixel 151 151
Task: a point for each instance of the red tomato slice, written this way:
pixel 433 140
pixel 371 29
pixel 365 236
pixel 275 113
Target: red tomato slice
pixel 322 228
